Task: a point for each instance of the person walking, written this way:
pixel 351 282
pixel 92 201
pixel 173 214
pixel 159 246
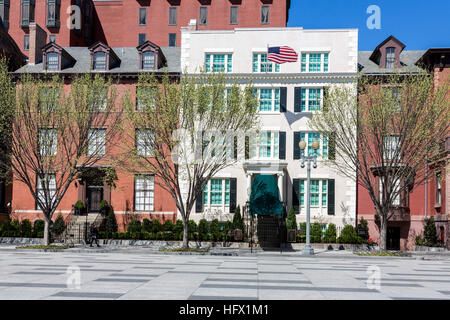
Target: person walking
pixel 94 235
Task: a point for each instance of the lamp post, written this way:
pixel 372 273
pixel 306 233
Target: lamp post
pixel 307 251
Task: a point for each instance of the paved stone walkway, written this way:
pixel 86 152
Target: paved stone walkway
pixel 141 274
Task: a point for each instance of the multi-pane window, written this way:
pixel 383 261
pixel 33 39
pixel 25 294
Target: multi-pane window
pixel 268 145
pixel 265 10
pixel 172 16
pixel 390 58
pixel 315 62
pixel 261 64
pixel 97 142
pixel 217 192
pixel 46 186
pixel 218 62
pixel 391 145
pixel 234 15
pixel 26 42
pixel 141 38
pixel 27 12
pixel 318 193
pixel 144 188
pixel 145 97
pixel 142 16
pixel 309 138
pixel 48 98
pixel 438 189
pixel 148 60
pixel 52 61
pixel 48 142
pixel 144 142
pixel 311 99
pixel 269 99
pixel 394 190
pixel 99 61
pixel 53 13
pixel 4 13
pixel 203 16
pixel 394 96
pixel 172 39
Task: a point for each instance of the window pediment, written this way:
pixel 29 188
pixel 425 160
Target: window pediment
pixel 54 51
pixel 149 61
pixel 109 59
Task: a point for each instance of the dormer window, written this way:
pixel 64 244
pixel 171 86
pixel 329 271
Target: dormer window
pixel 151 57
pixel 390 58
pixel 52 61
pixel 99 61
pixel 103 58
pixel 148 60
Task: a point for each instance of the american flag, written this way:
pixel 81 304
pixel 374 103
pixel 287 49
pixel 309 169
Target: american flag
pixel 282 54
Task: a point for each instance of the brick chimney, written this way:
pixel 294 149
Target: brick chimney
pixel 192 25
pixel 38 39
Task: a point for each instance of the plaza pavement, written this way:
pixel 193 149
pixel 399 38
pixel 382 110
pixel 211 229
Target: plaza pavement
pixel 146 274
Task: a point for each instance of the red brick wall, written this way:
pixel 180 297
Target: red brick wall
pixel 118 22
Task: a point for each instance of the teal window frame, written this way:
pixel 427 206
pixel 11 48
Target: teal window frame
pixel 219 62
pixel 318 190
pixel 315 62
pixel 261 64
pixel 216 192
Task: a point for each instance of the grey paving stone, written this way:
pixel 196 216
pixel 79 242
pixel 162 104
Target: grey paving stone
pixel 94 295
pixel 39 272
pixel 235 286
pixel 138 275
pixel 32 285
pixel 120 280
pixel 259 280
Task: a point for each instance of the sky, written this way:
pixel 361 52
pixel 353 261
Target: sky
pixel 419 24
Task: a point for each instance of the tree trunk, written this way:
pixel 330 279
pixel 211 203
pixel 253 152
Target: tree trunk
pixel 383 232
pixel 46 232
pixel 185 234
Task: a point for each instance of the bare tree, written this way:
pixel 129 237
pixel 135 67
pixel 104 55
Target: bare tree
pixel 56 133
pixel 187 132
pixel 387 136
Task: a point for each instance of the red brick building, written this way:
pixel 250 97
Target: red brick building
pixel 429 198
pixel 128 23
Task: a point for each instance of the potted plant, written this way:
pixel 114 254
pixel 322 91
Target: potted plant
pixel 79 207
pixel 104 207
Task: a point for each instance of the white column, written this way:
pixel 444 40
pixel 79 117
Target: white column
pixel 280 186
pixel 249 185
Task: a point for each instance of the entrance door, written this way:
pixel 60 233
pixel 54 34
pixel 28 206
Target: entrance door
pixel 94 195
pixel 393 238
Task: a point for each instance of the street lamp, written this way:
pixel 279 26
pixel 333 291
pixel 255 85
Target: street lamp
pixel 307 251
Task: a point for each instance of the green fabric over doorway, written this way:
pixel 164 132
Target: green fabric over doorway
pixel 264 199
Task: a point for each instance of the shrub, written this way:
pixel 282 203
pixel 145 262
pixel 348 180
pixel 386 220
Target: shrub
pixel 135 235
pixel 168 226
pixel 301 238
pixel 238 223
pixel 9 229
pixel 348 235
pixel 58 226
pixel 110 222
pixel 429 233
pixel 192 226
pixel 103 204
pixel 134 226
pixel 203 227
pixel 363 229
pixel 316 232
pixel 419 241
pixel 303 227
pixel 146 225
pixel 291 220
pixel 330 233
pixel 156 226
pixel 178 228
pixel 214 228
pixel 38 228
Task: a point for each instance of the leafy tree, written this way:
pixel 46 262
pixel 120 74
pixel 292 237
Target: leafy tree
pixel 238 222
pixel 110 222
pixel 187 124
pixel 291 220
pixel 330 233
pixel 386 136
pixel 58 226
pixel 348 235
pixel 51 129
pixel 429 233
pixel 363 229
